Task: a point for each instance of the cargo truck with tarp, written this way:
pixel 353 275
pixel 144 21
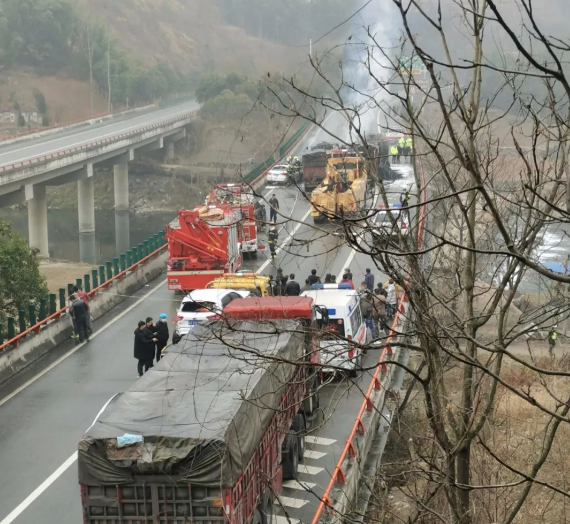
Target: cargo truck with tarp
pixel 207 435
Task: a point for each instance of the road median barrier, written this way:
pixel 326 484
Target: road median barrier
pixel 41 327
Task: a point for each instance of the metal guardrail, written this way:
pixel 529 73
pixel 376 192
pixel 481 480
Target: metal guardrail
pixel 349 449
pixel 117 269
pixel 89 145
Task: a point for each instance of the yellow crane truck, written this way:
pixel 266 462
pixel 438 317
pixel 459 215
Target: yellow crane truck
pixel 343 191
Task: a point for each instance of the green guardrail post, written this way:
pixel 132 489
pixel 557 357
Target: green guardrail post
pixel 157 242
pixel 87 280
pixel 69 289
pixel 129 256
pixel 43 309
pixel 52 303
pixel 1 335
pixel 32 314
pixel 102 278
pixel 116 269
pixel 94 278
pixel 146 248
pixel 79 283
pixel 151 248
pixel 135 253
pixel 109 270
pixel 141 252
pixel 123 262
pixel 11 328
pixel 61 298
pixel 22 320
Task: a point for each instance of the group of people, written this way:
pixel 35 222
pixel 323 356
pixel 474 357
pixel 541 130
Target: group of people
pixel 404 147
pixel 379 305
pixel 150 340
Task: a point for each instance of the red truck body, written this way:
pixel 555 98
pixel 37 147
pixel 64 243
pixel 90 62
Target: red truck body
pixel 166 498
pixel 240 199
pixel 200 250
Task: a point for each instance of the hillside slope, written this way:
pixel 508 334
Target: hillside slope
pixel 190 35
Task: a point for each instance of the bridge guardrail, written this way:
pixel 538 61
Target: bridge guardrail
pixel 350 450
pixel 113 271
pixel 10 167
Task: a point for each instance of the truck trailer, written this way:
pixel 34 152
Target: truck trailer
pixel 206 436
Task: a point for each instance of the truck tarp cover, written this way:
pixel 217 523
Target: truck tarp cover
pixel 202 410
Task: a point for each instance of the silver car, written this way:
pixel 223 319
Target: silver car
pixel 278 175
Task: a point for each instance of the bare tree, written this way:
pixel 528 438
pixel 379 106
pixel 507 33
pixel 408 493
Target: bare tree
pixel 483 91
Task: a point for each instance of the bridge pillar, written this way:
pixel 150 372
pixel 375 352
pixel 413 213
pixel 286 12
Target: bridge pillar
pixel 168 151
pixel 121 182
pixel 86 212
pixel 37 218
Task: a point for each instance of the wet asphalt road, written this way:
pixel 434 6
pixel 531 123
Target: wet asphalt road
pixel 41 424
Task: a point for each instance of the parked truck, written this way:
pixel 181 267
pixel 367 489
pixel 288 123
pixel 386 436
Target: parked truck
pixel 202 245
pixel 343 191
pixel 240 199
pixel 206 436
pixel 314 319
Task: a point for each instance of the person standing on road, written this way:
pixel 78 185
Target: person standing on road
pixel 328 279
pixel 162 335
pixel 409 148
pixel 395 155
pixel 144 347
pixel 293 289
pixel 369 280
pixel 75 334
pixel 313 278
pixel 379 307
pixel 85 297
pixel 272 238
pixel 281 282
pixel 347 275
pixel 78 310
pixel 274 207
pixel 401 146
pixel 552 336
pixel 391 299
pixel 366 308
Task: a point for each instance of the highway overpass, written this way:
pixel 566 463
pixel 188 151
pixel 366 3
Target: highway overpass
pixel 29 165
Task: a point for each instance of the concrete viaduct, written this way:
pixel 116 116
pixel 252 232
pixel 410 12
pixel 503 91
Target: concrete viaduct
pixel 28 166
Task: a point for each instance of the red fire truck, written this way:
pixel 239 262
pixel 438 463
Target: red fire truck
pixel 202 245
pixel 240 199
pixel 207 436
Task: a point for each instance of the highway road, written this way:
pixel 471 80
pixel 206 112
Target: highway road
pixel 45 410
pixel 67 138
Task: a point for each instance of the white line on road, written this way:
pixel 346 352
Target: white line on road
pixel 295 484
pixel 310 454
pixel 49 481
pixel 319 440
pixel 308 470
pixel 290 502
pixel 285 242
pixel 280 519
pixel 79 346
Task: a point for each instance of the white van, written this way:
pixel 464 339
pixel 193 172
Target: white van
pixel 345 322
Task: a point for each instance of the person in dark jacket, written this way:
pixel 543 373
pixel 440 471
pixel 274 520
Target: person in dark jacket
pixel 369 279
pixel 313 278
pixel 293 289
pixel 79 311
pixel 144 347
pixel 162 334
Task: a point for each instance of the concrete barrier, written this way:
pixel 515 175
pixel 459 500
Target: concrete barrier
pixel 34 347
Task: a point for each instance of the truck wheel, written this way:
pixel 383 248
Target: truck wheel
pixel 256 518
pixel 290 457
pixel 245 255
pixel 254 254
pixel 266 508
pixel 300 429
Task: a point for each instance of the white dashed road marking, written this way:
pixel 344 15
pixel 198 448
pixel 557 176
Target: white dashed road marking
pixel 295 484
pixel 290 502
pixel 319 440
pixel 309 470
pixel 279 519
pixel 310 454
